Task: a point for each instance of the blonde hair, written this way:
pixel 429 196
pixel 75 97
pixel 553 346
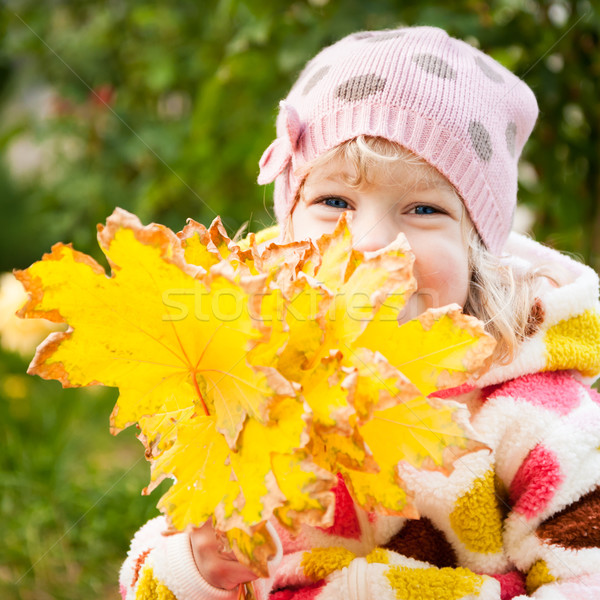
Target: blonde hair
pixel 498 295
pixel 367 154
pixel 503 298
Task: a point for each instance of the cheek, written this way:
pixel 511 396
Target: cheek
pixel 306 224
pixel 302 225
pixel 296 225
pixel 442 273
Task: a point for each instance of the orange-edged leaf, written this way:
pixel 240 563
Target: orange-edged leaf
pixel 375 385
pixel 197 245
pixel 159 431
pixel 283 259
pixel 208 247
pixel 307 488
pixel 326 393
pixel 440 349
pixel 413 432
pixel 242 488
pixel 157 328
pixel 332 450
pixel 198 461
pixel 337 258
pixel 260 238
pixel 426 433
pixel 109 341
pixel 382 277
pixel 297 329
pixel 198 241
pixel 254 548
pixel 380 492
pixel 417 431
pixel 252 469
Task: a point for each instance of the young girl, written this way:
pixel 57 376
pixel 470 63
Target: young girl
pixel 413 131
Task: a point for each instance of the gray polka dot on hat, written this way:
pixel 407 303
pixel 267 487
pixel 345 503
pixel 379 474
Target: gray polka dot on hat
pixel 488 71
pixel 362 35
pixel 481 140
pixel 386 35
pixel 358 88
pixel 310 84
pixel 511 137
pixel 435 65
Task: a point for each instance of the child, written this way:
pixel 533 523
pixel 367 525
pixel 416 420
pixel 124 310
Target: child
pixel 415 132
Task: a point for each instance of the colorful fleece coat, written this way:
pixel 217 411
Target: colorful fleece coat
pixel 520 521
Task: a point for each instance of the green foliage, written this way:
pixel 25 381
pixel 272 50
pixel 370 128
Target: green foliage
pixel 164 110
pixel 69 494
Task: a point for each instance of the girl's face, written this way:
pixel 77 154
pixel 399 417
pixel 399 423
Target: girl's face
pixel 413 199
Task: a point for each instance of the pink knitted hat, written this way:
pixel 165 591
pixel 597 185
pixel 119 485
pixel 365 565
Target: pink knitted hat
pixel 439 97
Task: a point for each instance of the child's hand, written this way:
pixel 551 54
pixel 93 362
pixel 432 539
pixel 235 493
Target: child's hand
pixel 219 569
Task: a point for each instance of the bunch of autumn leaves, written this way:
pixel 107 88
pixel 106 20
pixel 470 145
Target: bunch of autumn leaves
pixel 257 373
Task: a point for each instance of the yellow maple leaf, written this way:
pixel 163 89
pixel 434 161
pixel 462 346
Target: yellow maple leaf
pixel 158 431
pixel 208 247
pixel 158 329
pixel 243 488
pixel 427 433
pixel 440 349
pixel 254 549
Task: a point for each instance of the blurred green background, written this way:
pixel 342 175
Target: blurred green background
pixel 165 110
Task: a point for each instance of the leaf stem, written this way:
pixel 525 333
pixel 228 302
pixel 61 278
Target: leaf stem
pixel 205 408
pixel 246 591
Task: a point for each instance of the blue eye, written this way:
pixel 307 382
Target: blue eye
pixel 336 202
pixel 424 209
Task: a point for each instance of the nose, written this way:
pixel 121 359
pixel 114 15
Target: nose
pixel 373 234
